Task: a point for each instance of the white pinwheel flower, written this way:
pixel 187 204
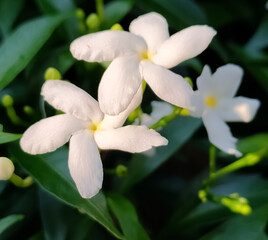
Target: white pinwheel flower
pixel 88 129
pixel 214 101
pixel 143 53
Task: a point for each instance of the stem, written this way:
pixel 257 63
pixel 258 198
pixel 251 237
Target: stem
pixel 19 182
pixel 100 9
pixel 166 119
pixel 212 159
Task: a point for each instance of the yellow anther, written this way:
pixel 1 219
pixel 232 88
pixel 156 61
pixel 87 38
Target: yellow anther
pixel 94 127
pixel 146 55
pixel 211 101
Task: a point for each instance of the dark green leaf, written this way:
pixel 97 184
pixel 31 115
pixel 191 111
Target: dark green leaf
pixel 51 172
pixel 8 13
pixel 21 46
pixel 127 217
pixel 9 221
pixel 177 132
pixel 8 137
pixel 115 11
pixel 253 143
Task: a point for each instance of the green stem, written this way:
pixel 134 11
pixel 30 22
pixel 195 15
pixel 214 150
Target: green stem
pixel 100 9
pixel 212 159
pixel 19 182
pixel 166 119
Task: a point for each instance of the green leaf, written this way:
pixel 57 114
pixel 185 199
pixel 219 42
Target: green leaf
pixel 8 13
pixel 8 137
pixel 127 217
pixel 51 172
pixel 241 227
pixel 177 132
pixel 179 13
pixel 114 11
pixel 9 221
pixel 60 221
pixel 253 143
pixel 22 45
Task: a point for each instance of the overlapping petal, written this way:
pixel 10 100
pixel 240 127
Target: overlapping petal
pixel 167 85
pixel 71 99
pixel 106 46
pixel 204 82
pixel 85 164
pixel 238 109
pixel 119 84
pixel 130 139
pixel 153 28
pixel 116 121
pixel 183 45
pixel 49 134
pixel 219 133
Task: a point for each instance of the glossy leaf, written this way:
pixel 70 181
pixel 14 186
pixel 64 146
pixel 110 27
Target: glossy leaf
pixel 253 143
pixel 177 132
pixel 127 217
pixel 8 137
pixel 9 221
pixel 22 45
pixel 50 171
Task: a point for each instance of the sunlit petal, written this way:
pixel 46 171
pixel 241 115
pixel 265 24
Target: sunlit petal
pixel 130 139
pixel 219 133
pixel 238 109
pixel 119 84
pixel 85 164
pixel 167 85
pixel 71 99
pixel 49 134
pixel 153 28
pixel 184 45
pixel 106 45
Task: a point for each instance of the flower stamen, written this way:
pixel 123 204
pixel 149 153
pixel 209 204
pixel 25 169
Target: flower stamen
pixel 211 101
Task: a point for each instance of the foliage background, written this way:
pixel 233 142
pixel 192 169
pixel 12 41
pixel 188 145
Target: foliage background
pixel 158 198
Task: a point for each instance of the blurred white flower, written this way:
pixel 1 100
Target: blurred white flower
pixel 214 101
pixel 6 168
pixel 266 5
pixel 88 129
pixel 143 53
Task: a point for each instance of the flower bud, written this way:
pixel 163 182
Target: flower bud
pixel 28 110
pixel 121 171
pixel 52 74
pixel 6 168
pixel 117 27
pixel 80 14
pixel 7 100
pixel 93 21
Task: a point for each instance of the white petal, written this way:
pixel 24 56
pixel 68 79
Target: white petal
pixel 227 79
pixel 49 134
pixel 106 45
pixel 85 164
pixel 119 84
pixel 204 81
pixel 71 99
pixel 152 27
pixel 238 109
pixel 167 85
pixel 130 139
pixel 184 45
pixel 219 133
pixel 118 120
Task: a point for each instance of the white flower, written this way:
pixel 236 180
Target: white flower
pixel 214 101
pixel 143 53
pixel 88 129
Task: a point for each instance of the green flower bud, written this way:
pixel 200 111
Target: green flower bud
pixel 80 14
pixel 28 110
pixel 237 205
pixel 93 21
pixel 121 171
pixel 52 74
pixel 7 100
pixel 6 168
pixel 117 27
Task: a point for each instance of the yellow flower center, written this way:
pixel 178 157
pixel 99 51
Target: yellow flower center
pixel 146 55
pixel 94 127
pixel 211 101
